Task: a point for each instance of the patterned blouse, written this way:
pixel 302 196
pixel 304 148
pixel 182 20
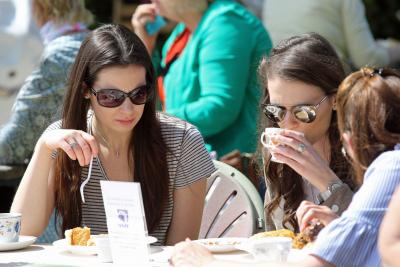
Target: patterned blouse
pixel 39 100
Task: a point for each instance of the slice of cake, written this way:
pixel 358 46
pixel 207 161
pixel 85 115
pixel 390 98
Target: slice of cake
pixel 78 236
pixel 278 233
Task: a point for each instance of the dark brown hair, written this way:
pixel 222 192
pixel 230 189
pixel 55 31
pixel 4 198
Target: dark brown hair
pixel 308 58
pixel 112 45
pixel 368 106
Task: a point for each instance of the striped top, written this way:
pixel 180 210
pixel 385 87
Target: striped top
pixel 188 162
pixel 351 240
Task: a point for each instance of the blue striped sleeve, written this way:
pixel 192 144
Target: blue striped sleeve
pixel 351 240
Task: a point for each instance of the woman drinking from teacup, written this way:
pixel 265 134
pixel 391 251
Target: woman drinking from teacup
pixel 368 108
pixel 110 131
pixel 301 78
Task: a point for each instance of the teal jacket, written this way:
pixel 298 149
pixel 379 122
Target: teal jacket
pixel 214 84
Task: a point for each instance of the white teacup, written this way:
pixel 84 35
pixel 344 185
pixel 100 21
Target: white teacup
pixel 103 248
pixel 10 226
pixel 266 140
pixel 271 248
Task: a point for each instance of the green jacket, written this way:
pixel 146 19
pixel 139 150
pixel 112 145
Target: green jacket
pixel 214 84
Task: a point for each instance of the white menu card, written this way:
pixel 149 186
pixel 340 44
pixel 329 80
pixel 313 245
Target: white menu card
pixel 126 222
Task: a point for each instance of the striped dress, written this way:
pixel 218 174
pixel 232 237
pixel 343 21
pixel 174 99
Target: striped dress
pixel 351 240
pixel 188 162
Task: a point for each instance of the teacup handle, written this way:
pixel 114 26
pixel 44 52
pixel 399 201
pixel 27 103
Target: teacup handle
pixel 262 140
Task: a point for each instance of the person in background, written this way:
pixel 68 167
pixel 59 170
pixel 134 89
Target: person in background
pixel 389 233
pixel 63 26
pixel 368 114
pixel 110 131
pixel 20 49
pixel 342 22
pixel 255 6
pixel 301 78
pixel 209 63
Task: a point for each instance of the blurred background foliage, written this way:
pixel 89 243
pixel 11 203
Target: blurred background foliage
pixel 101 9
pixel 383 15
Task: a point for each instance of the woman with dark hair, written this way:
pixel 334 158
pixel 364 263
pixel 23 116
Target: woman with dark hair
pixel 368 107
pixel 301 78
pixel 109 122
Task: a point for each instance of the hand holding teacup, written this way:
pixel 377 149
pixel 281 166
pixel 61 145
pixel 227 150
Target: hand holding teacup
pixel 295 151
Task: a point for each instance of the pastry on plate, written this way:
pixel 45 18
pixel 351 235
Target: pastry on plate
pixel 79 236
pixel 308 235
pixel 280 233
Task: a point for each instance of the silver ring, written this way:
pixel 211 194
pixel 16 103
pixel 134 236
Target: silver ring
pixel 73 145
pixel 301 148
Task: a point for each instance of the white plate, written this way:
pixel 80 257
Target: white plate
pixel 24 241
pixel 244 246
pixel 225 244
pixel 62 245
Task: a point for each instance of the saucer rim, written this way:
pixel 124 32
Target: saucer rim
pixel 23 242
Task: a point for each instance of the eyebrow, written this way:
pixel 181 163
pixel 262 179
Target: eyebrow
pixel 113 87
pixel 290 106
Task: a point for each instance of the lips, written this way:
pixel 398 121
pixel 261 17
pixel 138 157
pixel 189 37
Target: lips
pixel 125 121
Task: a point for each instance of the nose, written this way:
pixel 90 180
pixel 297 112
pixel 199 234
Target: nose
pixel 289 121
pixel 127 106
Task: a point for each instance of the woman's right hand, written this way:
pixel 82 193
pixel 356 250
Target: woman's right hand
pixel 143 14
pixel 78 145
pixel 308 211
pixel 191 254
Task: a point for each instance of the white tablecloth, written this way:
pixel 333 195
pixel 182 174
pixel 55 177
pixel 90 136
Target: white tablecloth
pixel 51 256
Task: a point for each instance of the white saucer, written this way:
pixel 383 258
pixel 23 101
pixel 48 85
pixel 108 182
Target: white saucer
pixel 23 242
pixel 62 245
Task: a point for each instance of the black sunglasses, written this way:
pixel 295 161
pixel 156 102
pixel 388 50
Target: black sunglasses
pixel 304 113
pixel 111 98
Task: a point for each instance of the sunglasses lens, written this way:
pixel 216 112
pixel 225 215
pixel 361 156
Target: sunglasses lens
pixel 305 114
pixel 274 113
pixel 110 98
pixel 140 95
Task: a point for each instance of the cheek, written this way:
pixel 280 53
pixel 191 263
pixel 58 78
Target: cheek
pixel 102 113
pixel 139 112
pixel 318 129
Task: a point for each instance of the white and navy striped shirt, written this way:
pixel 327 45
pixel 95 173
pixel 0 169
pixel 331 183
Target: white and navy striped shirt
pixel 351 240
pixel 188 162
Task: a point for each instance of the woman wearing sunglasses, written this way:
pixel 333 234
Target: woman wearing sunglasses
pixel 301 78
pixel 110 131
pixel 368 106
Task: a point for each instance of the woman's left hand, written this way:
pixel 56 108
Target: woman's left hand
pixel 301 156
pixel 190 254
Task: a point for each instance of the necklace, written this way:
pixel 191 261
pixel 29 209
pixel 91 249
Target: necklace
pixel 108 144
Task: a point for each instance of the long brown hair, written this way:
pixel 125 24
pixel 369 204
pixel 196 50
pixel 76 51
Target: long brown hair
pixel 308 58
pixel 368 107
pixel 112 45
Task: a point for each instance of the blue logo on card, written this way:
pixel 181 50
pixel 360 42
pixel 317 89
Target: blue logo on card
pixel 123 218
